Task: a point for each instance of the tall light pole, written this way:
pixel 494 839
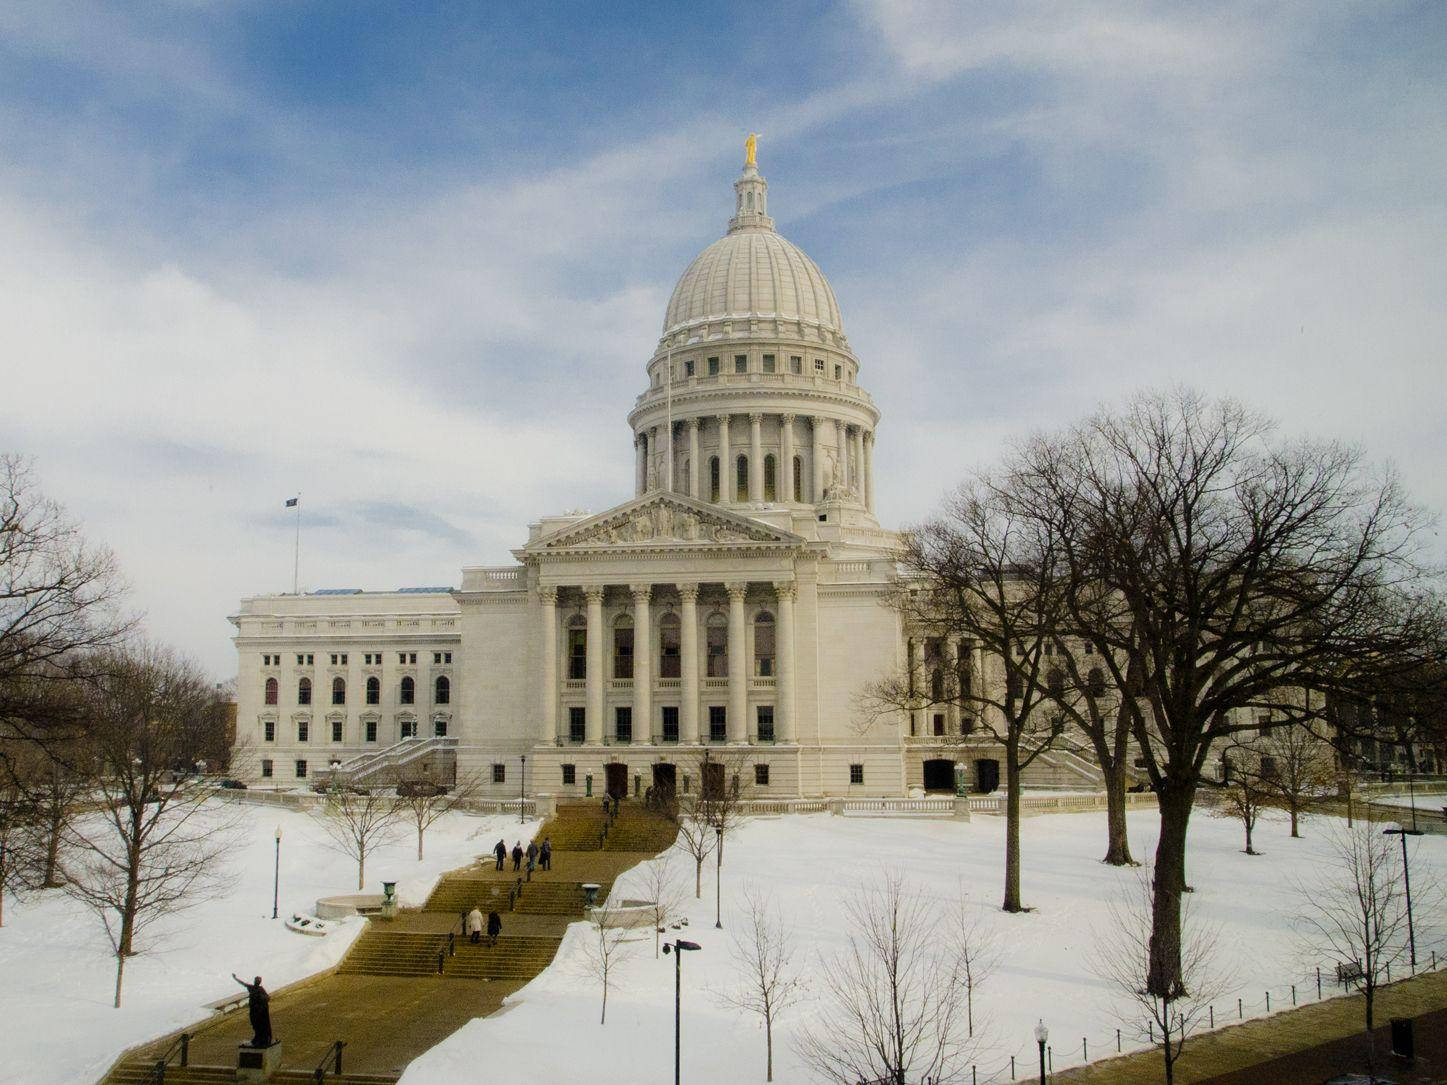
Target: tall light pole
pixel 523 790
pixel 718 879
pixel 276 875
pixel 678 947
pixel 1407 879
pixel 1041 1035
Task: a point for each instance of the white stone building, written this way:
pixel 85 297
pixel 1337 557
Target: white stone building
pixel 740 599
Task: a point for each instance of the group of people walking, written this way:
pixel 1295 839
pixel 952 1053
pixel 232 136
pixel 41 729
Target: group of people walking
pixel 538 856
pixel 475 926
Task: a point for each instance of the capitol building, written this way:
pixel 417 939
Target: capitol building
pixel 740 601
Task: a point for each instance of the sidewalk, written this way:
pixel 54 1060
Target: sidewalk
pixel 1306 1045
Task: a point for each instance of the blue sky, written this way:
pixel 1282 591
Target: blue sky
pixel 410 259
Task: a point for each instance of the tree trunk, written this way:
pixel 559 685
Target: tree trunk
pixel 1012 827
pixel 1163 977
pixel 52 851
pixel 419 843
pixel 361 870
pixel 1117 848
pixel 120 972
pixel 769 1046
pixel 603 1017
pixel 1294 819
pixel 1246 820
pixel 698 879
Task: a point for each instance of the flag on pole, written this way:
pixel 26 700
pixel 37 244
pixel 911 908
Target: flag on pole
pixel 291 502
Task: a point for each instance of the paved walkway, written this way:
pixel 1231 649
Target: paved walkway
pixel 1306 1045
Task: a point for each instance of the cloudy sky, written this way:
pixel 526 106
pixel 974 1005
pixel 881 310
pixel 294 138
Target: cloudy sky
pixel 410 259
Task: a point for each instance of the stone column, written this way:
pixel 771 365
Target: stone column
pixel 693 457
pixel 725 462
pixel 869 470
pixel 642 664
pixel 756 457
pixel 668 463
pixel 916 677
pixel 952 685
pixel 640 457
pixel 548 682
pixel 785 478
pixel 841 454
pixel 594 731
pixel 818 494
pixel 784 701
pixel 738 729
pixel 688 649
pixel 859 461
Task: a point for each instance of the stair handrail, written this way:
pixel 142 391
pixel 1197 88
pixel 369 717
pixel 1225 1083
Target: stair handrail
pixel 181 1046
pixel 333 1055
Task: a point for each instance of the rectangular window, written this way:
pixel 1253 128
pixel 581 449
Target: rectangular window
pixel 570 775
pixel 761 775
pixel 717 656
pixel 769 366
pixel 371 730
pixel 402 657
pixel 688 368
pixel 499 773
pixel 408 728
pixel 302 728
pixel 623 724
pixel 336 730
pixel 939 723
pixel 713 367
pixel 436 659
pixel 741 363
pixel 268 731
pixel 301 770
pixel 577 654
pixel 818 365
pixel 446 657
pixel 1089 648
pixel 766 722
pixel 839 372
pixel 718 728
pixel 796 364
pixel 310 659
pixel 439 728
pixel 577 723
pixel 670 723
pixel 856 774
pixel 622 653
pixel 267 768
pixel 300 659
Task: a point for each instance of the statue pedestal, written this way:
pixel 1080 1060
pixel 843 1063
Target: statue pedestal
pixel 257 1064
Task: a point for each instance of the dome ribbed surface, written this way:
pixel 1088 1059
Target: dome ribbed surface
pixel 752 273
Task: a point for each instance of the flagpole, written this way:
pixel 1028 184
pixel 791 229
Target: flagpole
pixel 668 477
pixel 296 554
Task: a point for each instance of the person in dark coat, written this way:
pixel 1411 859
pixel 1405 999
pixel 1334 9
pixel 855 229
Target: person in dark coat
pixel 517 856
pixel 532 854
pixel 501 852
pixel 258 1009
pixel 545 854
pixel 494 927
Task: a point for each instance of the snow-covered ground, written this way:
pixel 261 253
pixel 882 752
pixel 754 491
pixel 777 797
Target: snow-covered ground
pixel 809 864
pixel 57 974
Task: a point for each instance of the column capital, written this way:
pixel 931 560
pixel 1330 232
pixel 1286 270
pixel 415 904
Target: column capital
pixel 786 589
pixel 688 593
pixel 692 423
pixel 787 419
pixel 723 419
pixel 594 593
pixel 869 437
pixel 641 592
pixel 756 418
pixel 548 593
pixel 737 589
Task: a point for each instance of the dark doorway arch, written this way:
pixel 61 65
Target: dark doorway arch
pixel 665 785
pixel 616 773
pixel 987 775
pixel 939 774
pixel 713 780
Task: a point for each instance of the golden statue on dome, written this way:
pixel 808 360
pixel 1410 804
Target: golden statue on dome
pixel 751 147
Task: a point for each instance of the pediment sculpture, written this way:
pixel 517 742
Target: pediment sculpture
pixel 664 521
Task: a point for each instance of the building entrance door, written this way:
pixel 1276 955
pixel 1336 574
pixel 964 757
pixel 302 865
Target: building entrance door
pixel 987 775
pixel 713 780
pixel 617 777
pixel 665 785
pixel 939 775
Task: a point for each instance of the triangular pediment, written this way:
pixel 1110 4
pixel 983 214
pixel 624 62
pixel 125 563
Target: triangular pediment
pixel 665 520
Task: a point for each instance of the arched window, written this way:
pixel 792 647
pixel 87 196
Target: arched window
pixel 623 647
pixel 374 690
pixel 713 478
pixel 669 632
pixel 1095 682
pixel 751 201
pixel 441 690
pixel 408 693
pixel 339 691
pixel 271 691
pixel 577 648
pixel 304 691
pixel 764 645
pixel 741 475
pixel 798 494
pixel 771 471
pixel 717 641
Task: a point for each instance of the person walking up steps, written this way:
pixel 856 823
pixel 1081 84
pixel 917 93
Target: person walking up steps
pixel 545 854
pixel 494 927
pixel 532 854
pixel 501 852
pixel 517 856
pixel 474 925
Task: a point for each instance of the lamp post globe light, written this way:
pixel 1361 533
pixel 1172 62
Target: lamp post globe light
pixel 1041 1035
pixel 276 875
pixel 678 947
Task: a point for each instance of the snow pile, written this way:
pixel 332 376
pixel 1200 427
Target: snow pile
pixel 59 973
pixel 809 864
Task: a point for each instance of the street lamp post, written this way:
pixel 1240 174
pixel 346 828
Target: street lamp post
pixel 276 875
pixel 523 790
pixel 1407 879
pixel 1041 1035
pixel 718 879
pixel 678 947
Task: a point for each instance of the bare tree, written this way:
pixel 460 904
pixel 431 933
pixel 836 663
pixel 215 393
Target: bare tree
pixel 359 821
pixel 606 945
pixel 767 983
pixel 148 849
pixel 659 882
pixel 891 1008
pixel 1301 770
pixel 1245 790
pixel 17 820
pixel 1122 957
pixel 725 780
pixel 696 836
pixel 423 803
pixel 978 957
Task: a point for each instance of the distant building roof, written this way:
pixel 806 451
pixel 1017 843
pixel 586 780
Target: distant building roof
pixel 425 591
pixel 338 591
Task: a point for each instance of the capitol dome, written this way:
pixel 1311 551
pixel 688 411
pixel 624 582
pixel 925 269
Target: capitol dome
pixel 752 273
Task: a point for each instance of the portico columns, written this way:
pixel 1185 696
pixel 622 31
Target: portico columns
pixel 859 461
pixel 952 685
pixel 869 470
pixel 818 494
pixel 640 457
pixel 548 633
pixel 784 712
pixel 669 459
pixel 725 462
pixel 642 664
pixel 915 678
pixel 693 457
pixel 841 456
pixel 688 647
pixel 784 476
pixel 738 673
pixel 756 457
pixel 594 733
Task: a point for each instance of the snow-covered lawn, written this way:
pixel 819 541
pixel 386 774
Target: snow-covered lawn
pixel 57 973
pixel 550 1029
